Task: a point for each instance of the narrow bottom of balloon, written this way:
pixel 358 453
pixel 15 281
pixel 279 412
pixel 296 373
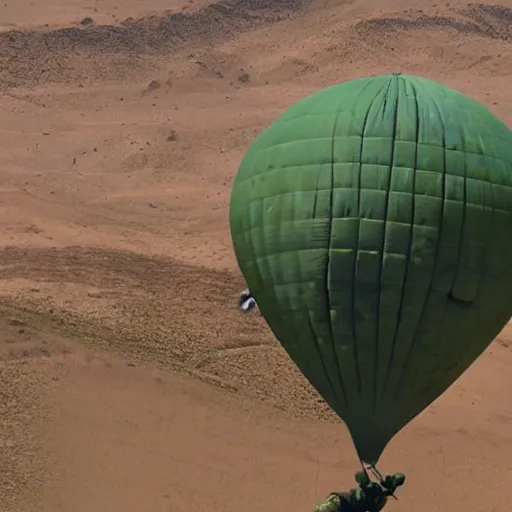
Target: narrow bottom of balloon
pixel 369 495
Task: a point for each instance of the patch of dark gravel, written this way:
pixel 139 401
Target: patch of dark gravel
pixel 496 20
pixel 492 21
pixel 33 57
pixel 154 33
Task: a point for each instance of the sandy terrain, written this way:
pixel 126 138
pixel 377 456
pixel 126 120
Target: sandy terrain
pixel 128 380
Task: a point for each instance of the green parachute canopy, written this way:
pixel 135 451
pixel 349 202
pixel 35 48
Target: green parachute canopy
pixel 373 224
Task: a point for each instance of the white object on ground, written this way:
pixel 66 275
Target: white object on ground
pixel 247 301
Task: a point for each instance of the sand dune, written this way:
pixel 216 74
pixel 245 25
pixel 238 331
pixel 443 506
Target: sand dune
pixel 128 381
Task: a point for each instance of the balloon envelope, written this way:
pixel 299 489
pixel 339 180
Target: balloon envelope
pixel 372 222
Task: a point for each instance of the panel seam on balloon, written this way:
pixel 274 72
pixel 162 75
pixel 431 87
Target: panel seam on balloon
pixel 364 188
pixel 328 260
pixel 438 245
pixel 462 228
pixel 287 167
pixel 408 252
pixel 493 157
pixel 263 150
pixel 356 252
pixel 317 345
pixel 382 255
pixel 284 167
pixel 320 356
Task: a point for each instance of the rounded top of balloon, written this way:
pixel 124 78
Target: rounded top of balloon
pixel 372 222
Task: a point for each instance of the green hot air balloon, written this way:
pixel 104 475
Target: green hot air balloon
pixel 372 222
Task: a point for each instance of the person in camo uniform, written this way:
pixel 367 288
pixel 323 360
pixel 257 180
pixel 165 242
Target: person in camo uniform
pixel 369 496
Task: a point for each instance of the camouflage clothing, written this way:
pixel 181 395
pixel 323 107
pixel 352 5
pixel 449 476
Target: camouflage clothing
pixel 368 497
pixel 331 504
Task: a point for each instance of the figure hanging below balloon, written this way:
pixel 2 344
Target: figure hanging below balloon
pixel 369 496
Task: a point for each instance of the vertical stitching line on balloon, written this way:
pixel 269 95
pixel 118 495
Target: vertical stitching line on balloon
pixel 311 327
pixel 409 250
pixel 358 231
pixel 439 238
pixel 328 258
pixel 386 208
pixel 462 226
pixel 461 238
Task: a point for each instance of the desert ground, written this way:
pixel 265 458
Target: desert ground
pixel 128 379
